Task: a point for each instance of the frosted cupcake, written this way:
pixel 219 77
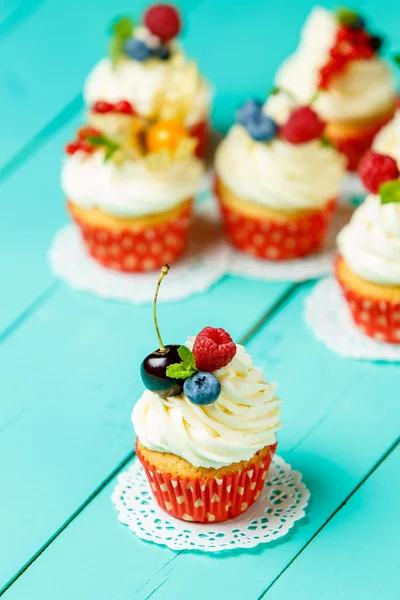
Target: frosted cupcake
pixel 368 268
pixel 277 180
pixel 388 139
pixel 206 427
pixel 338 64
pixel 133 201
pixel 147 74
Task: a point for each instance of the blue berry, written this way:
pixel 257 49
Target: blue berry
pixel 202 388
pixel 137 49
pixel 359 23
pixel 249 110
pixel 262 128
pixel 162 52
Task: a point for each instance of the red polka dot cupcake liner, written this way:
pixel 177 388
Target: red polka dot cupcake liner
pixel 209 500
pixel 136 250
pixel 379 319
pixel 200 132
pixel 277 240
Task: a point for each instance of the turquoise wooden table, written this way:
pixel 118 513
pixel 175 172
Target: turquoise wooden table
pixel 69 362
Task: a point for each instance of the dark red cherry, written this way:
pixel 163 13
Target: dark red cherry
pixel 153 371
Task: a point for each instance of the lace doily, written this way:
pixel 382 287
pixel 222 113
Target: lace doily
pixel 309 267
pixel 204 263
pixel 281 504
pixel 329 317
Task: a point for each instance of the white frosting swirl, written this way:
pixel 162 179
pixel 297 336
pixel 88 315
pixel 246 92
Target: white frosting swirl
pixel 152 86
pixel 130 189
pixel 388 139
pixel 243 420
pixel 277 174
pixel 370 243
pixel 363 90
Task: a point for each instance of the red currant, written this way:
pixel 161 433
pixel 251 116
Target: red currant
pixel 86 132
pixel 72 147
pixel 102 107
pixel 124 107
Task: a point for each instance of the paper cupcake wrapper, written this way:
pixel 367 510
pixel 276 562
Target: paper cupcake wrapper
pixel 275 240
pixel 379 319
pixel 135 250
pixel 208 500
pixel 200 131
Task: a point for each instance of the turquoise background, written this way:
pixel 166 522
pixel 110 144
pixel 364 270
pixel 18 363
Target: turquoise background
pixel 69 362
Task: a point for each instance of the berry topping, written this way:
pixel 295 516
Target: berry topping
pixel 72 147
pixel 124 107
pixel 85 132
pixel 202 388
pixel 137 50
pixel 375 169
pixel 163 20
pixel 162 52
pixel 213 349
pixel 165 135
pixel 376 42
pixel 303 125
pixel 249 110
pixel 102 107
pixel 259 125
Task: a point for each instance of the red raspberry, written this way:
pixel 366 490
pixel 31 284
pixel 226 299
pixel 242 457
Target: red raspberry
pixel 377 168
pixel 213 349
pixel 101 106
pixel 163 20
pixel 124 107
pixel 302 126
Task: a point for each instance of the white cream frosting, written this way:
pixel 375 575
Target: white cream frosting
pixel 277 174
pixel 129 189
pixel 388 139
pixel 156 88
pixel 365 89
pixel 243 420
pixel 370 243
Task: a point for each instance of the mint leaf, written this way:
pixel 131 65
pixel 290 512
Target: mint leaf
pixel 180 371
pixel 122 27
pixel 275 90
pixel 347 17
pixel 396 59
pixel 326 142
pixel 390 191
pixel 101 141
pixel 187 356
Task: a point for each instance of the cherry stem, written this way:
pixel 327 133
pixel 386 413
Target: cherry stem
pixel 164 271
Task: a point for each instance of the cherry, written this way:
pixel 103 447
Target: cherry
pixel 101 106
pixel 153 369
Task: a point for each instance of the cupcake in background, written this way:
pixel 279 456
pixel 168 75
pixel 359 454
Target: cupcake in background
pixel 368 266
pixel 277 179
pixel 338 64
pixel 147 74
pixel 388 139
pixel 206 426
pixel 133 201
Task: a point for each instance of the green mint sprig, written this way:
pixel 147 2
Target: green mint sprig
pixel 184 369
pixel 101 141
pixel 390 192
pixel 396 59
pixel 121 29
pixel 326 142
pixel 347 17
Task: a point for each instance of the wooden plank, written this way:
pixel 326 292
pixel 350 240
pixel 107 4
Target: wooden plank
pixel 332 432
pixel 357 554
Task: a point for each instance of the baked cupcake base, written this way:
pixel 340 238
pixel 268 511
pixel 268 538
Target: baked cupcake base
pixel 200 494
pixel 271 234
pixel 354 139
pixel 375 308
pixel 136 244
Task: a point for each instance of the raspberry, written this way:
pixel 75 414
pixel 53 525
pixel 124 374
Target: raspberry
pixel 163 20
pixel 213 349
pixel 377 168
pixel 302 126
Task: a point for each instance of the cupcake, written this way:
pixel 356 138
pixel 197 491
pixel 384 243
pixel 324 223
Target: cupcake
pixel 133 201
pixel 206 427
pixel 368 266
pixel 148 75
pixel 388 139
pixel 277 179
pixel 338 64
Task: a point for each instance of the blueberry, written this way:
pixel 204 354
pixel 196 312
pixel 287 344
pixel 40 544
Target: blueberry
pixel 376 42
pixel 359 23
pixel 137 49
pixel 262 128
pixel 249 110
pixel 162 52
pixel 202 388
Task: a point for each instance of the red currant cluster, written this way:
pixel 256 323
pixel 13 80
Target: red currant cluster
pixel 351 43
pixel 82 142
pixel 122 107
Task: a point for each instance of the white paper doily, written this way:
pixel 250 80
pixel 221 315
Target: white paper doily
pixel 310 267
pixel 204 263
pixel 329 317
pixel 281 503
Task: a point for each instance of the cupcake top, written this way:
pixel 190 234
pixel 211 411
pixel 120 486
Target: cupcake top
pixel 276 156
pixel 388 139
pixel 370 243
pixel 338 59
pixel 147 69
pixel 241 415
pixel 152 171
